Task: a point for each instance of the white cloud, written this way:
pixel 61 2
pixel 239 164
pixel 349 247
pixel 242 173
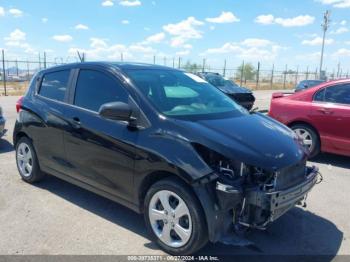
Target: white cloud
pixel 252 49
pixel 301 20
pixel 16 36
pixel 100 49
pixel 341 53
pixel 81 27
pixel 256 42
pixel 225 17
pixel 130 3
pixel 156 38
pixel 184 31
pixel 317 41
pixel 98 43
pixel 125 22
pixel 16 12
pixel 107 3
pixel 340 30
pixel 314 57
pixel 44 20
pixel 265 19
pixel 343 22
pixel 336 3
pixel 62 38
pixel 2 11
pixel 17 39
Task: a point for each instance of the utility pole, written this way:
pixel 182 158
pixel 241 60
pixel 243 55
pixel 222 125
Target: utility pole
pixel 325 26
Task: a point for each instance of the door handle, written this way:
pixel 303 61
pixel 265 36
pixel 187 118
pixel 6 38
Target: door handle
pixel 76 124
pixel 325 111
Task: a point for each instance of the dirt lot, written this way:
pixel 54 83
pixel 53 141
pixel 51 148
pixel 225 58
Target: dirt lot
pixel 55 217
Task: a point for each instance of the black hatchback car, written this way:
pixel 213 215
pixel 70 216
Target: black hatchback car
pixel 2 123
pixel 164 143
pixel 239 94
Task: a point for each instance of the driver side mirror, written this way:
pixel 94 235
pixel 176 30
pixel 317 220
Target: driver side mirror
pixel 116 111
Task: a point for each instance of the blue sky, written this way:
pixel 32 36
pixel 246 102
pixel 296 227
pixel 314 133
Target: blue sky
pixel 271 31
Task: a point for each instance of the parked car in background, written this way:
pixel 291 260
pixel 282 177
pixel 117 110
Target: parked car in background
pixel 319 115
pixel 164 143
pixel 2 123
pixel 305 84
pixel 241 95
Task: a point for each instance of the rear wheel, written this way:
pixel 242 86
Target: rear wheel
pixel 27 162
pixel 175 218
pixel 309 138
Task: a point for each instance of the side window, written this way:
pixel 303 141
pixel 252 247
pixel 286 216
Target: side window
pixel 95 89
pixel 319 97
pixel 339 94
pixel 54 85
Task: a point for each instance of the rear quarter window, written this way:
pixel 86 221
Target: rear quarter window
pixel 54 85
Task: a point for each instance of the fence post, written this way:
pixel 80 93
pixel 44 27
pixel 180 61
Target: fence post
pixel 272 75
pixel 338 70
pixel 154 59
pixel 173 62
pixel 28 74
pixel 179 65
pixel 16 62
pixel 296 76
pixel 257 76
pixel 39 61
pixel 164 60
pixel 203 66
pixel 4 72
pixel 307 73
pixel 242 72
pixel 224 72
pixel 285 77
pixel 121 57
pixel 45 60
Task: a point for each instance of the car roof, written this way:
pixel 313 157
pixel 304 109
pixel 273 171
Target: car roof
pixel 118 65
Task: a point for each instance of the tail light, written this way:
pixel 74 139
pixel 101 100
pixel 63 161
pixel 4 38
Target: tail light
pixel 277 95
pixel 19 104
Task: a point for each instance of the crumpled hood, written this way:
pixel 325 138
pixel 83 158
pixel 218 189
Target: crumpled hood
pixel 253 139
pixel 233 89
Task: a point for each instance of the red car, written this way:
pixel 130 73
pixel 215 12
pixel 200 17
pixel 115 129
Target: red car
pixel 320 116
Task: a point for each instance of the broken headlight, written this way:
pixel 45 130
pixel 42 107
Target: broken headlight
pixel 230 171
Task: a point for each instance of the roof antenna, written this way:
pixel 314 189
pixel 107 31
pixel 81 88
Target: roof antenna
pixel 81 57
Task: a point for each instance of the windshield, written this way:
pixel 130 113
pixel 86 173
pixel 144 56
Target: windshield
pixel 179 94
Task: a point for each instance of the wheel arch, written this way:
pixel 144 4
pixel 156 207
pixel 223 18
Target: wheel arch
pixel 18 136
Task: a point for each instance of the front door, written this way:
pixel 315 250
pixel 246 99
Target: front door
pixel 100 152
pixel 331 114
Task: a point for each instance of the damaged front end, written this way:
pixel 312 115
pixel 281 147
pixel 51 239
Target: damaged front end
pixel 238 196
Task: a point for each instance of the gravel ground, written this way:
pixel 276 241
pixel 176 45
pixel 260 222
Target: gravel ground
pixel 55 217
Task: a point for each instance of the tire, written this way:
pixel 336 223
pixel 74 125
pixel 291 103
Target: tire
pixel 304 130
pixel 27 161
pixel 173 193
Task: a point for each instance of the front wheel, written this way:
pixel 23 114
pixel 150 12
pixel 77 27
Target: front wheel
pixel 175 218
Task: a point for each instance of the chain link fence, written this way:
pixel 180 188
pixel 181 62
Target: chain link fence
pixel 16 74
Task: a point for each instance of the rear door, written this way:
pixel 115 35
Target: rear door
pixel 100 152
pixel 331 114
pixel 50 103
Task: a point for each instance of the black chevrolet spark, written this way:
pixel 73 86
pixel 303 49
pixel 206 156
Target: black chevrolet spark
pixel 164 143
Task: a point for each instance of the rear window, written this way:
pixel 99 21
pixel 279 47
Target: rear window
pixel 54 85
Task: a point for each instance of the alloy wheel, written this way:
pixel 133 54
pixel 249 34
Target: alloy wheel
pixel 306 138
pixel 24 160
pixel 170 218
